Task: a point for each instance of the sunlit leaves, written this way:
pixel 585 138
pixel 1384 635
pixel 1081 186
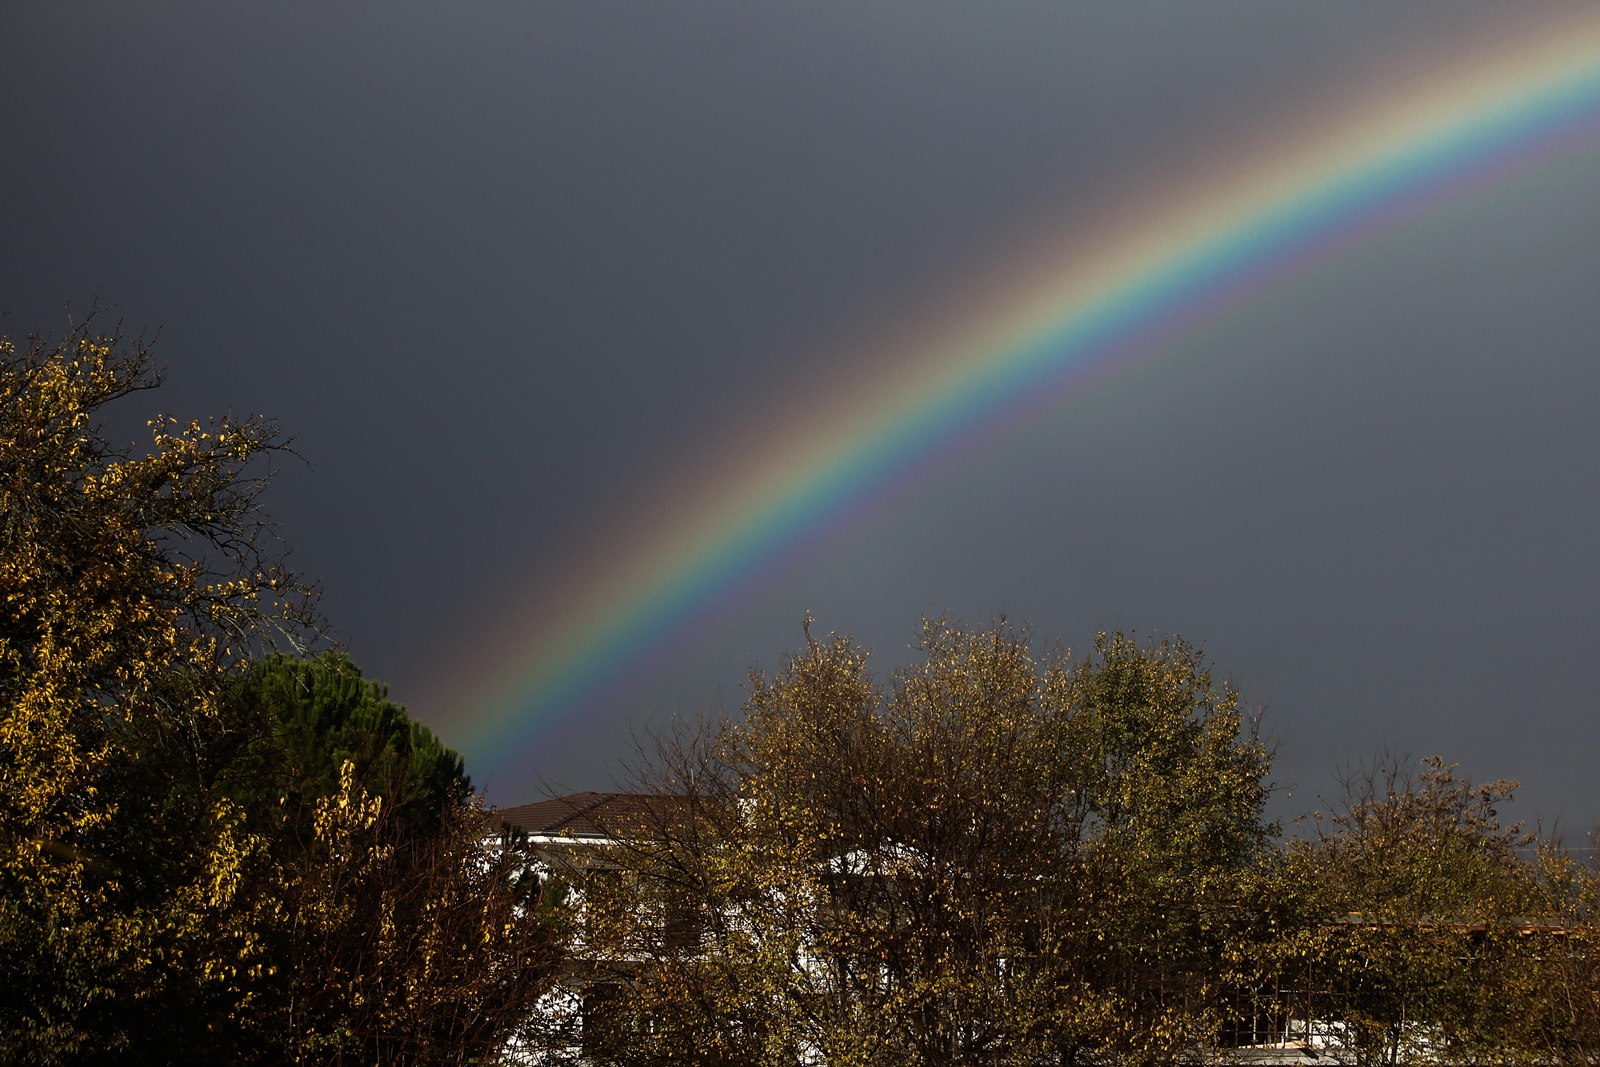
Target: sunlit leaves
pixel 211 854
pixel 132 581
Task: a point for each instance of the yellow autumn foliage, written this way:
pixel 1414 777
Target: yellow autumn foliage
pixel 178 878
pixel 132 581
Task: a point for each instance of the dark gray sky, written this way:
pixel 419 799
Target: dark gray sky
pixel 508 267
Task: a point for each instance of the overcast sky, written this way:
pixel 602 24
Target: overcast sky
pixel 505 268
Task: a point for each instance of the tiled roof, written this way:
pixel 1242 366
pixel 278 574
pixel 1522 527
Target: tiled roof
pixel 584 814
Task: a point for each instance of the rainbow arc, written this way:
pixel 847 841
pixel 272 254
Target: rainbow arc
pixel 1072 317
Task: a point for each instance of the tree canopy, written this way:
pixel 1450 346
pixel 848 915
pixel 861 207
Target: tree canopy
pixel 211 847
pixel 134 585
pixel 317 713
pixel 997 858
pixel 991 859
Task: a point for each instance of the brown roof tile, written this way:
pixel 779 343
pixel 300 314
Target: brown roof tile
pixel 585 814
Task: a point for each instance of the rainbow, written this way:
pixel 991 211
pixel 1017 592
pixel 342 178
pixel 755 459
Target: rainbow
pixel 1056 322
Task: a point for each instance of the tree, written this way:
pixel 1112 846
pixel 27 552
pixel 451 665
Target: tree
pixel 1424 931
pixel 133 585
pixel 1154 928
pixel 990 862
pixel 210 850
pixel 313 715
pixel 382 917
pixel 1557 1007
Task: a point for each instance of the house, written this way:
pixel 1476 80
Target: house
pixel 577 838
pixel 589 840
pixel 581 820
